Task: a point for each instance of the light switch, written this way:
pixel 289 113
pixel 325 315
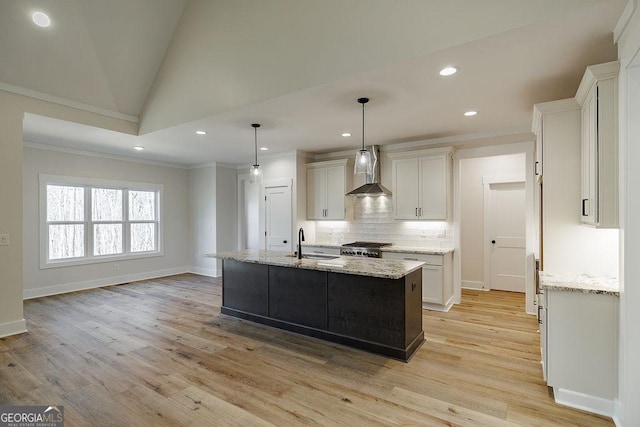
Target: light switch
pixel 4 240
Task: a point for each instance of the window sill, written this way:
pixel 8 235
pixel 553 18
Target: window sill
pixel 98 260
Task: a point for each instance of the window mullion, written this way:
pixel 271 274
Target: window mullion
pixel 88 222
pixel 126 229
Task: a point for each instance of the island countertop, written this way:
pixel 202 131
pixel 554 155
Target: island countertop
pixel 385 268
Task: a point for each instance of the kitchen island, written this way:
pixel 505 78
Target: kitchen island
pixel 370 304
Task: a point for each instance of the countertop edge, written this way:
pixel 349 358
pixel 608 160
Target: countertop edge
pixel 581 283
pixel 407 267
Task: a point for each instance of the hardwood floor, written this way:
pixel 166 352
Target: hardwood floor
pixel 159 353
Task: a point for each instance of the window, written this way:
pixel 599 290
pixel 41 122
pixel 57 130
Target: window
pixel 87 221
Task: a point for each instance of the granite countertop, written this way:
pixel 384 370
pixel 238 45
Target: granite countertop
pixel 580 283
pixel 385 268
pixel 393 248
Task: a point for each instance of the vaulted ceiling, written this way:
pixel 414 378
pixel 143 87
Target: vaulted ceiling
pixel 297 67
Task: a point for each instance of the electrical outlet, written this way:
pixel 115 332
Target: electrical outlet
pixel 4 240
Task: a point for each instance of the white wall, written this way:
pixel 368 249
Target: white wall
pixel 12 109
pixel 39 282
pixel 628 410
pixel 472 239
pixel 226 209
pixel 202 218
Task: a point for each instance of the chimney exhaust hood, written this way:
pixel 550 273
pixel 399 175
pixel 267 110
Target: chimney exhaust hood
pixel 372 186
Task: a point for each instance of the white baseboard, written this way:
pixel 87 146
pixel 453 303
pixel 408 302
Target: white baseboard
pixel 470 284
pixel 438 307
pixel 13 328
pixel 616 415
pixel 210 272
pixel 574 399
pixel 98 283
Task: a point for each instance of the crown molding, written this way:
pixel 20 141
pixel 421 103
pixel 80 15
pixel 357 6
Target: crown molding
pixel 66 150
pixel 539 110
pixel 592 74
pixel 18 90
pixel 627 13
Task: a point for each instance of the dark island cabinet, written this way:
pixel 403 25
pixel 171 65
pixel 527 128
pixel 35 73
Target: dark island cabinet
pixel 246 287
pixel 375 314
pixel 375 309
pixel 298 296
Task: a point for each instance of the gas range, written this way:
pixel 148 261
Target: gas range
pixel 363 249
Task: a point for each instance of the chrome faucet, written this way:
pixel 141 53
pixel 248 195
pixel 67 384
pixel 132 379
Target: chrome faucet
pixel 300 240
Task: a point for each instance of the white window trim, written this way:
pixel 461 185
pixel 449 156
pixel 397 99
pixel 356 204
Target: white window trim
pixel 89 258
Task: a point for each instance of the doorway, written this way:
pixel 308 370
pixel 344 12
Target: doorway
pixel 277 211
pixel 472 167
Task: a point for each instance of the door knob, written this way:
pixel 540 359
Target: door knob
pixel 284 241
pixel 493 241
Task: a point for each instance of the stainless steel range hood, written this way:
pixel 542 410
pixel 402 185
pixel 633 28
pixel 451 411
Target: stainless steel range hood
pixel 372 186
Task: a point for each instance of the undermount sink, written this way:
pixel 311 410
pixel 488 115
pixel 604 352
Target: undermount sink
pixel 316 256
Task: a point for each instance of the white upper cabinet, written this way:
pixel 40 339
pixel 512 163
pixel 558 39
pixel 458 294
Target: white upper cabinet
pixel 421 184
pixel 326 188
pixel 597 95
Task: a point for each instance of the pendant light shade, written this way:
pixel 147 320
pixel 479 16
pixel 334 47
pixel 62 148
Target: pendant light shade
pixel 255 173
pixel 363 157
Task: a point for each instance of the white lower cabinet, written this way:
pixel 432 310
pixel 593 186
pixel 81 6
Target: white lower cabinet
pixel 437 278
pixel 580 343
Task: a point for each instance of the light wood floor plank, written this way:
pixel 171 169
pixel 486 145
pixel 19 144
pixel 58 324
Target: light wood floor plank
pixel 159 352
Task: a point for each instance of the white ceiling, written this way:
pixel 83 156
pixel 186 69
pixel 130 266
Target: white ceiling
pixel 297 68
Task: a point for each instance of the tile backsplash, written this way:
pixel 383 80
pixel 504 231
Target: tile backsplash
pixel 372 220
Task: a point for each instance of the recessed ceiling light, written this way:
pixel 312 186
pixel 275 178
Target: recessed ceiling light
pixel 201 132
pixel 470 113
pixel 138 148
pixel 346 134
pixel 264 148
pixel 41 19
pixel 448 71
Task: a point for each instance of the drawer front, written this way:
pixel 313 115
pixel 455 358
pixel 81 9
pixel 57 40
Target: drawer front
pixel 428 259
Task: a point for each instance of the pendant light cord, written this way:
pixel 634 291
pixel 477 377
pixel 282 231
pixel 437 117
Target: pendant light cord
pixel 363 126
pixel 363 101
pixel 255 138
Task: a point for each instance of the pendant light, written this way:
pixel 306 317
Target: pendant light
pixel 255 173
pixel 363 157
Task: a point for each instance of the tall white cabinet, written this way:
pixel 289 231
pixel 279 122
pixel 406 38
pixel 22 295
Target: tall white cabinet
pixel 327 184
pixel 597 96
pixel 422 184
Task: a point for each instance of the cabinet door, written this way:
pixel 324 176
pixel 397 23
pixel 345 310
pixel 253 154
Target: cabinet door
pixel 432 284
pixel 406 176
pixel 316 193
pixel 433 188
pixel 335 190
pixel 589 159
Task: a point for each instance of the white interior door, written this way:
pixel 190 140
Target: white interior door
pixel 278 218
pixel 506 213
